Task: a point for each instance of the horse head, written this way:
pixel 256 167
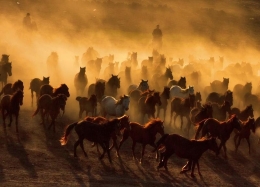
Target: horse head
pixel 198 96
pixel 157 98
pixel 46 80
pixel 65 90
pixel 251 122
pixel 61 98
pixel 182 82
pixel 250 110
pixel 143 86
pixel 114 81
pixel 125 102
pixel 82 71
pixel 191 90
pixel 168 73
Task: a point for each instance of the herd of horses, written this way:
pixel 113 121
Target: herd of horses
pixel 105 114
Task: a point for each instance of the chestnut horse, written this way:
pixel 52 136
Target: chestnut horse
pixel 221 130
pixel 11 105
pixel 52 106
pixel 93 132
pixel 184 148
pixel 143 134
pixel 87 104
pixel 245 132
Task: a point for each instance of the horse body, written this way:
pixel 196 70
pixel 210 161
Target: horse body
pixel 113 107
pixel 220 87
pixel 5 71
pixel 215 97
pixel 10 88
pixel 143 134
pixel 87 105
pixel 112 85
pixel 36 84
pixel 98 89
pixel 80 80
pixel 93 132
pixel 244 114
pixel 221 130
pixel 48 89
pixel 220 111
pixel 181 82
pixel 184 148
pixel 197 115
pixel 177 91
pixel 10 105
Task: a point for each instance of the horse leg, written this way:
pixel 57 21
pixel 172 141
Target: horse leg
pixel 176 115
pixel 104 150
pixel 187 167
pixel 114 144
pixel 161 161
pixel 198 166
pixel 16 123
pixel 248 142
pixel 124 138
pixel 11 119
pixel 80 113
pixel 3 116
pixel 82 147
pixel 143 149
pixel 165 160
pixel 133 149
pixel 32 97
pixel 108 151
pixel 192 168
pixel 238 143
pixel 164 113
pixel 225 150
pixel 235 141
pixel 76 145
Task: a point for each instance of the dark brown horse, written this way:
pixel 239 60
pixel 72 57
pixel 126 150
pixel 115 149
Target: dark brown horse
pixel 164 96
pixel 215 97
pixel 143 134
pixel 112 85
pixel 93 132
pixel 48 89
pixel 10 105
pixel 10 88
pixel 182 107
pixel 98 89
pixel 80 80
pixel 244 114
pixel 87 105
pixel 245 132
pixel 221 130
pixel 146 105
pixel 184 148
pixel 48 105
pixel 205 112
pixel 36 84
pixel 220 111
pixel 124 123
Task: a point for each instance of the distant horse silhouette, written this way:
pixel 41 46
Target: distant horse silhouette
pixel 143 86
pixel 245 132
pixel 161 80
pixel 48 89
pixel 239 91
pixel 244 114
pixel 93 132
pixel 10 88
pixel 221 130
pixel 10 105
pixel 53 65
pixel 181 83
pixel 220 87
pixel 164 96
pixel 219 98
pixel 220 111
pixel 184 148
pixel 5 71
pixel 36 84
pixel 87 105
pixel 94 65
pixel 182 107
pixel 176 91
pixel 80 81
pixel 52 106
pixel 124 120
pixel 112 85
pixel 146 105
pixel 143 134
pixel 98 89
pixel 112 107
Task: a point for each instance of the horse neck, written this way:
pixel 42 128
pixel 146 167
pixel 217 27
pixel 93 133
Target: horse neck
pixel 150 101
pixel 202 145
pixel 15 100
pixel 229 126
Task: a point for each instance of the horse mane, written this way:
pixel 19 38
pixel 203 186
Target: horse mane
pixel 120 100
pixel 151 123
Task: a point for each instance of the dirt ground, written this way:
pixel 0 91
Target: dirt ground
pixel 38 159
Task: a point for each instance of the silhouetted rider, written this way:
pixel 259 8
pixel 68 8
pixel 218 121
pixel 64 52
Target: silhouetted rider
pixel 157 37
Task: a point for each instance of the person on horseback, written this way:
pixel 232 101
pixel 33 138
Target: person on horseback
pixel 29 24
pixel 157 37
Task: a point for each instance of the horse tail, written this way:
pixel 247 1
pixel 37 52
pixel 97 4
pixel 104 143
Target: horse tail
pixel 36 111
pixel 68 129
pixel 199 127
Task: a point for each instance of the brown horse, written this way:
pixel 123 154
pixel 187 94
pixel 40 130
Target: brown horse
pixel 221 130
pixel 124 123
pixel 220 111
pixel 245 132
pixel 87 104
pixel 93 132
pixel 36 84
pixel 165 95
pixel 146 104
pixel 98 89
pixel 10 88
pixel 181 82
pixel 48 89
pixel 215 97
pixel 244 114
pixel 184 148
pixel 182 107
pixel 52 106
pixel 80 80
pixel 143 134
pixel 10 105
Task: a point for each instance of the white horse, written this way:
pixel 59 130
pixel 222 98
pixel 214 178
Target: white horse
pixel 112 107
pixel 177 91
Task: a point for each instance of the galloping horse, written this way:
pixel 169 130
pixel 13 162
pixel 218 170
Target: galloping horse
pixel 11 105
pixel 112 107
pixel 93 132
pixel 221 130
pixel 205 112
pixel 143 86
pixel 36 84
pixel 80 80
pixel 10 88
pixel 177 91
pixel 244 114
pixel 112 85
pixel 87 104
pixel 220 111
pixel 5 70
pixel 143 134
pixel 245 132
pixel 215 97
pixel 184 148
pixel 48 89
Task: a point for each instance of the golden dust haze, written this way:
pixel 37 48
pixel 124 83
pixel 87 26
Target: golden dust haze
pixel 202 28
